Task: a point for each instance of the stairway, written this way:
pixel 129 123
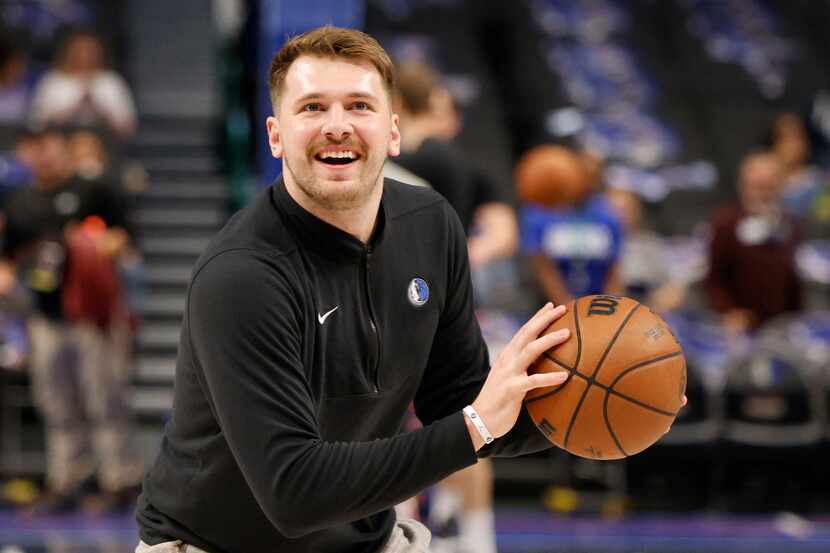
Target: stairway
pixel 173 67
pixel 185 204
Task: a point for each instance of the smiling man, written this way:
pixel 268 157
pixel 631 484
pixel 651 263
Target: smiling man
pixel 313 319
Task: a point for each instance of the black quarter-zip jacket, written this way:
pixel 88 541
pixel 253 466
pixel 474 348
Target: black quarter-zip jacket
pixel 301 349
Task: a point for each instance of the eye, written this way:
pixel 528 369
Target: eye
pixel 361 106
pixel 313 106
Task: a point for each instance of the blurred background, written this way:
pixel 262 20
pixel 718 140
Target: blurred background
pixel 675 151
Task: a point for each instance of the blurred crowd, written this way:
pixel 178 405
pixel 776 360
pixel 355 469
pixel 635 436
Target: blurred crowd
pixel 70 273
pixel 675 152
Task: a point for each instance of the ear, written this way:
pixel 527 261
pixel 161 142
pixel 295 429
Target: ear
pixel 273 126
pixel 395 137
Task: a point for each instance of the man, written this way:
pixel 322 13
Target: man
pixel 752 272
pixel 313 319
pixel 482 204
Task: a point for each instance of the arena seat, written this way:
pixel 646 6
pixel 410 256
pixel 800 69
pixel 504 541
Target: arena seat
pixel 707 353
pixel 773 393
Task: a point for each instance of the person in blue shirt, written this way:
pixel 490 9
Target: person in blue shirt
pixel 574 249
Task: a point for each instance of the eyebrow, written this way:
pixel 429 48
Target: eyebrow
pixel 317 95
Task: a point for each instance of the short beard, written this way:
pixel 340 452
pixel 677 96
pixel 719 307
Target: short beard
pixel 317 193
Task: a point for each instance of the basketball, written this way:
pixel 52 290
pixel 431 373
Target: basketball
pixel 626 383
pixel 552 176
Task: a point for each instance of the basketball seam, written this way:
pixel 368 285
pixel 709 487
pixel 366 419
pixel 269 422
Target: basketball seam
pixel 594 374
pixel 560 386
pixel 610 390
pixel 572 370
pixel 641 404
pixel 559 362
pixel 614 341
pixel 578 335
pixel 640 366
pixel 608 426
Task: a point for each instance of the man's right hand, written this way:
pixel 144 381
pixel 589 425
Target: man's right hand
pixel 500 400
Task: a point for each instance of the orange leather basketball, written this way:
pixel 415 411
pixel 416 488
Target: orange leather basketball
pixel 553 176
pixel 626 383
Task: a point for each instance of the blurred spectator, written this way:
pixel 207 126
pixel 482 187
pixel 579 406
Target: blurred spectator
pixel 644 272
pixel 89 154
pixel 80 90
pixel 425 107
pixel 752 274
pixel 117 186
pixel 803 182
pixel 16 81
pixel 63 233
pixel 490 56
pixel 26 148
pixel 428 120
pixel 574 250
pixel 16 167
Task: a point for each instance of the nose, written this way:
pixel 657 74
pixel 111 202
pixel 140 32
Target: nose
pixel 337 127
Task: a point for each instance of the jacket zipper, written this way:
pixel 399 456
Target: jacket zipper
pixel 375 372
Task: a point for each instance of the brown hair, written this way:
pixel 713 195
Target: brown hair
pixel 416 83
pixel 330 42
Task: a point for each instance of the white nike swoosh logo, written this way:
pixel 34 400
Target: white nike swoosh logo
pixel 322 318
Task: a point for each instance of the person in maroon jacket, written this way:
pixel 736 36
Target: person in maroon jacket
pixel 752 274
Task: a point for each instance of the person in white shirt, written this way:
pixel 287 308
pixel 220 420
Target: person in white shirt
pixel 79 89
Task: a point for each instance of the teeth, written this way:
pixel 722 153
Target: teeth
pixel 339 155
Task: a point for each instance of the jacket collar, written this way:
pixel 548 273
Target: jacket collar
pixel 320 236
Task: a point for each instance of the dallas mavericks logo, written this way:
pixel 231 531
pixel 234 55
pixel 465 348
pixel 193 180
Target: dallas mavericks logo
pixel 418 292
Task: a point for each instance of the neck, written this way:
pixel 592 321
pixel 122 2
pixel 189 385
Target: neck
pixel 79 73
pixel 769 209
pixel 358 220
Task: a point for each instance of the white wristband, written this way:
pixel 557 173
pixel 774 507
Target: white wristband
pixel 478 423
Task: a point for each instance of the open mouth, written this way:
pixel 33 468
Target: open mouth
pixel 337 158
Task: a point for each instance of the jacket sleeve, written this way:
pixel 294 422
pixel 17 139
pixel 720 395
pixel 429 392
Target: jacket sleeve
pixel 459 363
pixel 245 324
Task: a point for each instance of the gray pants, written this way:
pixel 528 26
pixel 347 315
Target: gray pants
pixel 79 383
pixel 408 536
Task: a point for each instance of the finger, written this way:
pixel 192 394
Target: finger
pixel 544 308
pixel 545 380
pixel 534 349
pixel 539 322
pixel 526 333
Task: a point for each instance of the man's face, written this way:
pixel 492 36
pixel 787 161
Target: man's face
pixel 333 129
pixel 84 55
pixel 760 182
pixel 53 165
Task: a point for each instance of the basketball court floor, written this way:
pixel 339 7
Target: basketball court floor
pixel 519 531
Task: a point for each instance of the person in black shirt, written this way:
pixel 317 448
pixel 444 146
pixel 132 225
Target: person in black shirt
pixel 312 321
pixel 483 204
